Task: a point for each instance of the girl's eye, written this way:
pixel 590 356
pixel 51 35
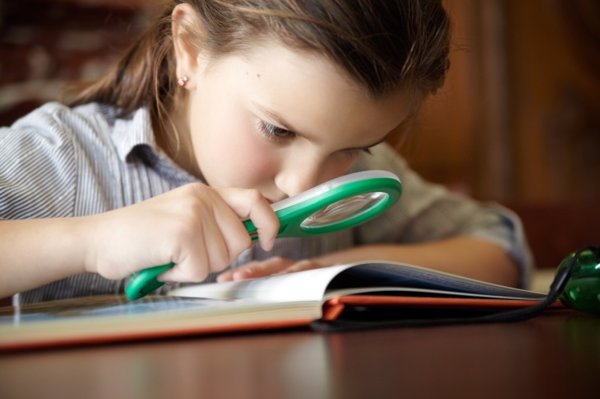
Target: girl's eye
pixel 273 132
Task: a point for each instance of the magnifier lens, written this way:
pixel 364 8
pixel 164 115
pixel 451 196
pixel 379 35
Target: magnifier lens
pixel 344 209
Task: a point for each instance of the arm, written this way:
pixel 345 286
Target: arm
pixel 196 227
pixel 447 231
pixel 461 255
pixel 26 245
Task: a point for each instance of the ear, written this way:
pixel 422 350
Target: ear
pixel 188 33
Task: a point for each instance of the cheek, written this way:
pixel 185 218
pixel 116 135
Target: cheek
pixel 336 166
pixel 231 153
pixel 260 161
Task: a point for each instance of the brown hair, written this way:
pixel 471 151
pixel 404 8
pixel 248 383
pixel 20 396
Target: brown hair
pixel 382 45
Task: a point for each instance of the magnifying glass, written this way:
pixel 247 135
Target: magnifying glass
pixel 338 204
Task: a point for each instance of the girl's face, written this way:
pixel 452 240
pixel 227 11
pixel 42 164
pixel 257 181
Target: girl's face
pixel 281 121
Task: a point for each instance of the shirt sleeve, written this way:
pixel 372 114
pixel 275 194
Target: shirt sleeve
pixel 37 168
pixel 428 212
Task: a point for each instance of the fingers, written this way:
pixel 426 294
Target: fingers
pixel 274 265
pixel 305 264
pixel 256 269
pixel 211 233
pixel 250 204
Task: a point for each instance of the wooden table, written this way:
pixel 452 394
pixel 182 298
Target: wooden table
pixel 555 355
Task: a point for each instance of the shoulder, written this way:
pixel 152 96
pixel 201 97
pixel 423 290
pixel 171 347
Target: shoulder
pixel 57 134
pixel 39 159
pixel 59 120
pixel 58 127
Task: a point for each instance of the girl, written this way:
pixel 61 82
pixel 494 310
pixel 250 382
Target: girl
pixel 222 108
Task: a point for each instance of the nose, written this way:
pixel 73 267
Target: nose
pixel 298 177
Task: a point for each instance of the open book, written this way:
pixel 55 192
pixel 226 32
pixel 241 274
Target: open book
pixel 367 291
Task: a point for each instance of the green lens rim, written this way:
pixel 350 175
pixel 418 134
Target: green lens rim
pixel 291 218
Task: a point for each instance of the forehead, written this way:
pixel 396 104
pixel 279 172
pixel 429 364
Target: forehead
pixel 286 65
pixel 311 91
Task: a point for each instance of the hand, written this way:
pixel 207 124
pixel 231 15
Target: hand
pixel 274 265
pixel 197 227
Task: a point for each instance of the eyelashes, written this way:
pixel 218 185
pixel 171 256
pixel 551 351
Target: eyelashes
pixel 274 133
pixel 280 135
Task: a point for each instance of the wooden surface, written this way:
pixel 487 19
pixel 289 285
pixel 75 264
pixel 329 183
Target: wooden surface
pixel 555 355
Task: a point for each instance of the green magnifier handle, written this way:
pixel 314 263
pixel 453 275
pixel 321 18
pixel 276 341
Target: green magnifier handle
pixel 339 204
pixel 145 281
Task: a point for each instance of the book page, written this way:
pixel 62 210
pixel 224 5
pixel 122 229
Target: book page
pixel 98 306
pixel 353 278
pixel 309 285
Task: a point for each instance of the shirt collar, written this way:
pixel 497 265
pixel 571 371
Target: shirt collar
pixel 128 133
pixel 134 139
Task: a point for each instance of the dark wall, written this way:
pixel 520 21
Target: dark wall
pixel 41 51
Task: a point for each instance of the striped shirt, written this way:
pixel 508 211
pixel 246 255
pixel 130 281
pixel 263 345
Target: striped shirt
pixel 62 162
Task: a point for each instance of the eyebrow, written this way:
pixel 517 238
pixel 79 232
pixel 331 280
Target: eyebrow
pixel 282 123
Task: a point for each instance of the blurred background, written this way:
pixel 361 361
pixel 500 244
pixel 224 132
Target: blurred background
pixel 517 122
